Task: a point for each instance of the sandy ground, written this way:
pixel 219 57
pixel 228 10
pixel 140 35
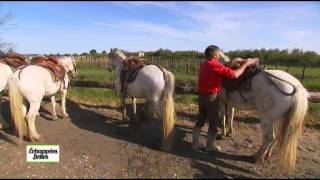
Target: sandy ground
pixel 95 143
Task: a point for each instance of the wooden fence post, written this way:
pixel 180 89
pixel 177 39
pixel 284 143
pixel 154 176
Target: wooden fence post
pixel 303 71
pixel 187 68
pixel 193 67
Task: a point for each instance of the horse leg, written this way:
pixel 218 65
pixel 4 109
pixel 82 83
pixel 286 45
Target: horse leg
pixel 156 108
pixel 223 118
pixel 268 138
pixel 123 107
pixel 230 114
pixel 134 109
pixel 53 103
pixel 147 110
pixel 274 142
pixel 269 151
pixel 31 116
pixel 63 103
pixel 3 123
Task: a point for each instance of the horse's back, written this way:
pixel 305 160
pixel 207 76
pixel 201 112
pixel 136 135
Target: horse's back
pixel 149 83
pixel 35 80
pixel 274 95
pixel 284 75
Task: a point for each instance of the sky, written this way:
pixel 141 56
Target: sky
pixel 77 27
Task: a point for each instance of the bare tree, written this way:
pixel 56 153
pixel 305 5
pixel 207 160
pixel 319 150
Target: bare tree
pixel 3 21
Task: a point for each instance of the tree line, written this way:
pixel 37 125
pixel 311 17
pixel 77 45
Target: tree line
pixel 270 56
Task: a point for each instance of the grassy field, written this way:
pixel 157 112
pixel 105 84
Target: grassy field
pixel 95 73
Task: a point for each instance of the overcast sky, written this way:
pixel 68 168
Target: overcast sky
pixel 76 27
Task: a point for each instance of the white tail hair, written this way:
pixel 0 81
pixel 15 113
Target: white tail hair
pixel 16 106
pixel 290 129
pixel 168 111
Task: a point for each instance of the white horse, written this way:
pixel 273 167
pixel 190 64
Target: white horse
pixel 154 83
pixel 5 72
pixel 28 86
pixel 281 102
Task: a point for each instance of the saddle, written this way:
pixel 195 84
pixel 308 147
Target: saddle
pixel 13 60
pixel 51 63
pixel 132 62
pixel 242 83
pixel 130 70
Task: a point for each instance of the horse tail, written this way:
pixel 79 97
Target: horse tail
pixel 168 111
pixel 290 129
pixel 16 106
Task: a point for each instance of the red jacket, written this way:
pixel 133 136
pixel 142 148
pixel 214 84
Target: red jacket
pixel 211 75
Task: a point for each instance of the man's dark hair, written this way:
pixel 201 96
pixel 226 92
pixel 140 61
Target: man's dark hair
pixel 209 52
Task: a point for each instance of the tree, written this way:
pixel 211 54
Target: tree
pixel 104 52
pixel 10 51
pixel 3 21
pixel 93 52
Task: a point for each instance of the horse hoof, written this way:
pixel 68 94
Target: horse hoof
pixel 267 158
pixel 35 138
pixel 219 137
pixel 257 160
pixel 253 159
pixel 54 118
pixel 66 116
pixel 229 135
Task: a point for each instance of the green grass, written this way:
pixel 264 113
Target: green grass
pixel 95 73
pixel 186 99
pixel 92 73
pixel 92 94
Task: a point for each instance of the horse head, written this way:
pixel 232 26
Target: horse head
pixel 116 56
pixel 69 64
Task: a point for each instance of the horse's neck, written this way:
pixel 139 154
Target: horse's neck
pixel 119 65
pixel 62 62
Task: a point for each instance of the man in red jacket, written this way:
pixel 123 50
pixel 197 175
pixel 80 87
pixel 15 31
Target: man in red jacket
pixel 211 75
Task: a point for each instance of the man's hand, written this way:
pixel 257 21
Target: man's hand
pixel 251 61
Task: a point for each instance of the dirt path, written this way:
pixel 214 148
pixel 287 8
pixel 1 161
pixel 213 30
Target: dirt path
pixel 95 143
